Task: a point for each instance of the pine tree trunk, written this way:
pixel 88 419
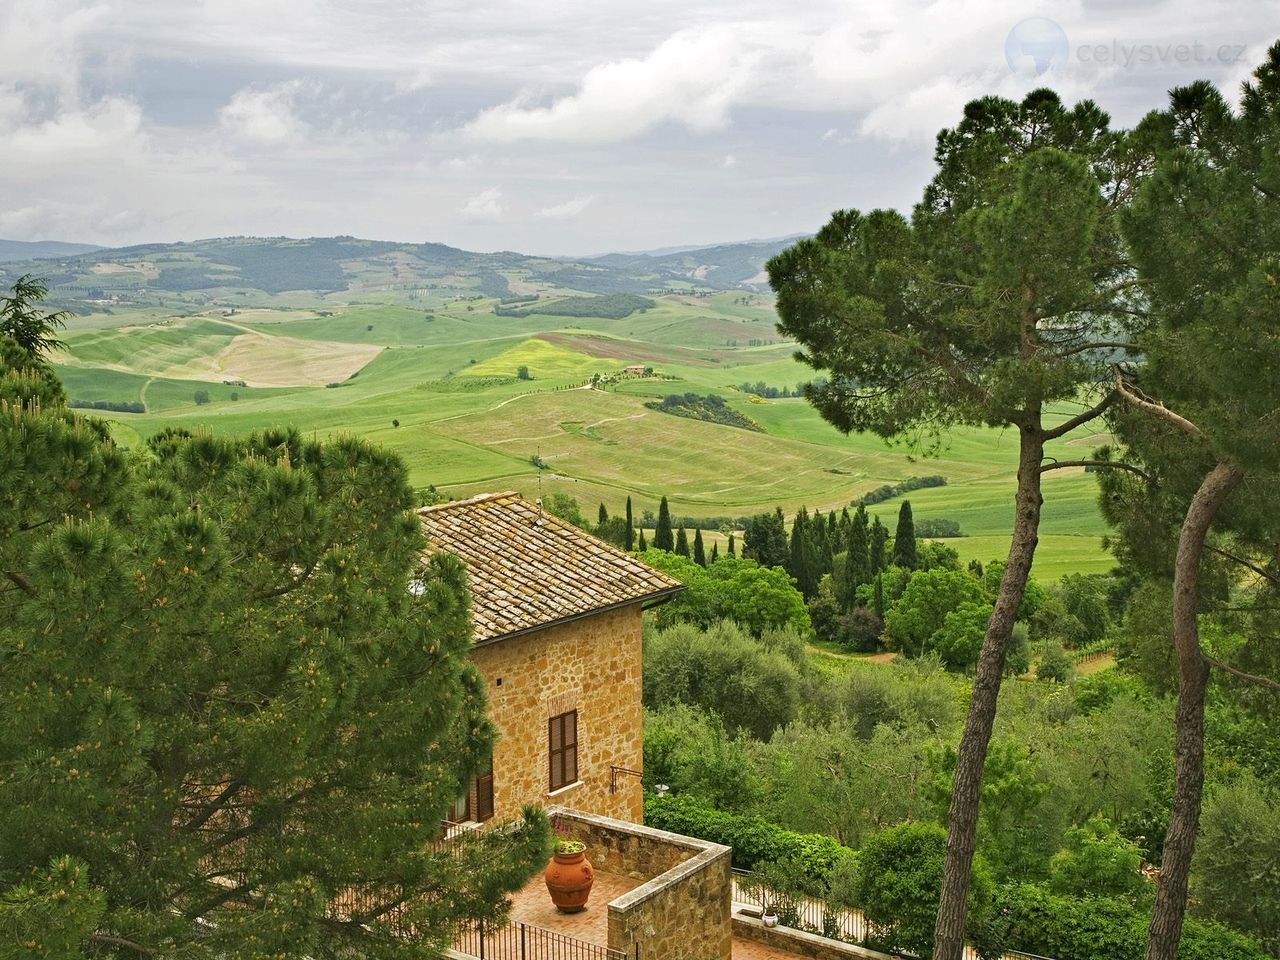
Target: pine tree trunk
pixel 1188 782
pixel 962 818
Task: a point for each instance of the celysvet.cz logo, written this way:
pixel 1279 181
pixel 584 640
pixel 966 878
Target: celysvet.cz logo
pixel 1037 45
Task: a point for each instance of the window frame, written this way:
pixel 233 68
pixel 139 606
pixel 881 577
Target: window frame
pixel 560 774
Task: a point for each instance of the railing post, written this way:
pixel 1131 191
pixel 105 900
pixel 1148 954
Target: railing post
pixel 523 928
pixel 480 929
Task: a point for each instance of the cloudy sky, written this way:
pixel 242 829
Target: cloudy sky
pixel 562 126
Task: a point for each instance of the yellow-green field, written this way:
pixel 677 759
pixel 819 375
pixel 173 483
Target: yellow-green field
pixel 448 377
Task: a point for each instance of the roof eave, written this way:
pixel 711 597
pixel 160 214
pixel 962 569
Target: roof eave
pixel 651 599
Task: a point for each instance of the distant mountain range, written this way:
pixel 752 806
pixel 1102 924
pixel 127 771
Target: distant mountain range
pixel 327 265
pixel 42 249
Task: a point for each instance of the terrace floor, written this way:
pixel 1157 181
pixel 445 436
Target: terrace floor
pixel 532 905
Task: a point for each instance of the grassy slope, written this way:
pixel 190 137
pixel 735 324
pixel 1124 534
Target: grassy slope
pixel 467 429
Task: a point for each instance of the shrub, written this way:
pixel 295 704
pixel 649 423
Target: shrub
pixel 754 840
pixel 1098 862
pixel 1034 920
pixel 1055 664
pixel 724 670
pixel 898 881
pixel 201 397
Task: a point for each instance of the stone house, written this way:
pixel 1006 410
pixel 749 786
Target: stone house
pixel 557 617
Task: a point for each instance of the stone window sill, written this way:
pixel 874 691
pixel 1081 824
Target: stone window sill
pixel 565 789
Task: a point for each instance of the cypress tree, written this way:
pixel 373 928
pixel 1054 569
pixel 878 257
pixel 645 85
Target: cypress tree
pixel 801 562
pixel 904 539
pixel 631 527
pixel 682 543
pixel 602 517
pixel 663 539
pixel 857 560
pixel 879 539
pixel 733 552
pixel 699 551
pixel 642 546
pixel 879 596
pixel 715 552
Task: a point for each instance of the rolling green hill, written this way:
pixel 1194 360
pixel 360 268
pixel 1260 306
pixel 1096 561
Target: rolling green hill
pixel 433 374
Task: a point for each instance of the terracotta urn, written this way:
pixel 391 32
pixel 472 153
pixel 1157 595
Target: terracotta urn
pixel 569 877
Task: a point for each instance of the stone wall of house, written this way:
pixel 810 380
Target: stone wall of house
pixel 683 910
pixel 591 665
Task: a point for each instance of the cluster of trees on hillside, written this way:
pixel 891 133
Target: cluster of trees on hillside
pixel 234 690
pixel 762 389
pixel 613 306
pixel 890 490
pixel 710 408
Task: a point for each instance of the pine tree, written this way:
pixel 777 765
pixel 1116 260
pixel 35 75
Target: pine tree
pixel 857 559
pixel 682 543
pixel 631 527
pixel 733 552
pixel 879 540
pixel 715 552
pixel 904 539
pixel 642 546
pixel 1018 237
pixel 179 617
pixel 663 538
pixel 602 516
pixel 699 551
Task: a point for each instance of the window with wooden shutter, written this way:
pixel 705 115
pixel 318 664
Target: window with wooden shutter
pixel 484 793
pixel 563 753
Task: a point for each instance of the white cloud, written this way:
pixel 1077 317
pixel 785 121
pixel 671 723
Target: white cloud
pixel 729 161
pixel 265 114
pixel 567 210
pixel 485 205
pixel 693 78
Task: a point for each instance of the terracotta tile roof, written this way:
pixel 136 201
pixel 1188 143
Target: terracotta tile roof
pixel 528 569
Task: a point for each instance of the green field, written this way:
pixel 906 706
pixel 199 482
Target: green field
pixel 447 371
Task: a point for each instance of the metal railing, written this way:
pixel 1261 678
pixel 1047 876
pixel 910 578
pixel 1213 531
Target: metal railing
pixel 523 941
pixel 813 915
pixel 802 913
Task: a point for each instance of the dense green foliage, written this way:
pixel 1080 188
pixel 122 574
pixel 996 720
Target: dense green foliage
pixel 896 884
pixel 756 597
pixel 234 690
pixel 1070 928
pixel 752 686
pixel 753 839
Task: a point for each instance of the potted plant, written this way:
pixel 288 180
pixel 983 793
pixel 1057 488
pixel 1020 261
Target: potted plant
pixel 569 874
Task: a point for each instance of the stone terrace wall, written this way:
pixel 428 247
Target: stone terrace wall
pixel 684 909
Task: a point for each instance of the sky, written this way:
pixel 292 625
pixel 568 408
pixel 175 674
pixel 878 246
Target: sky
pixel 557 127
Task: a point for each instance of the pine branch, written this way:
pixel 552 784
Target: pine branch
pixel 1105 464
pixel 1245 563
pixel 1158 410
pixel 21 581
pixel 111 940
pixel 1251 678
pixel 1081 418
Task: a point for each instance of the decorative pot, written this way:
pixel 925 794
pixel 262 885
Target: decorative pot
pixel 569 877
pixel 770 918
